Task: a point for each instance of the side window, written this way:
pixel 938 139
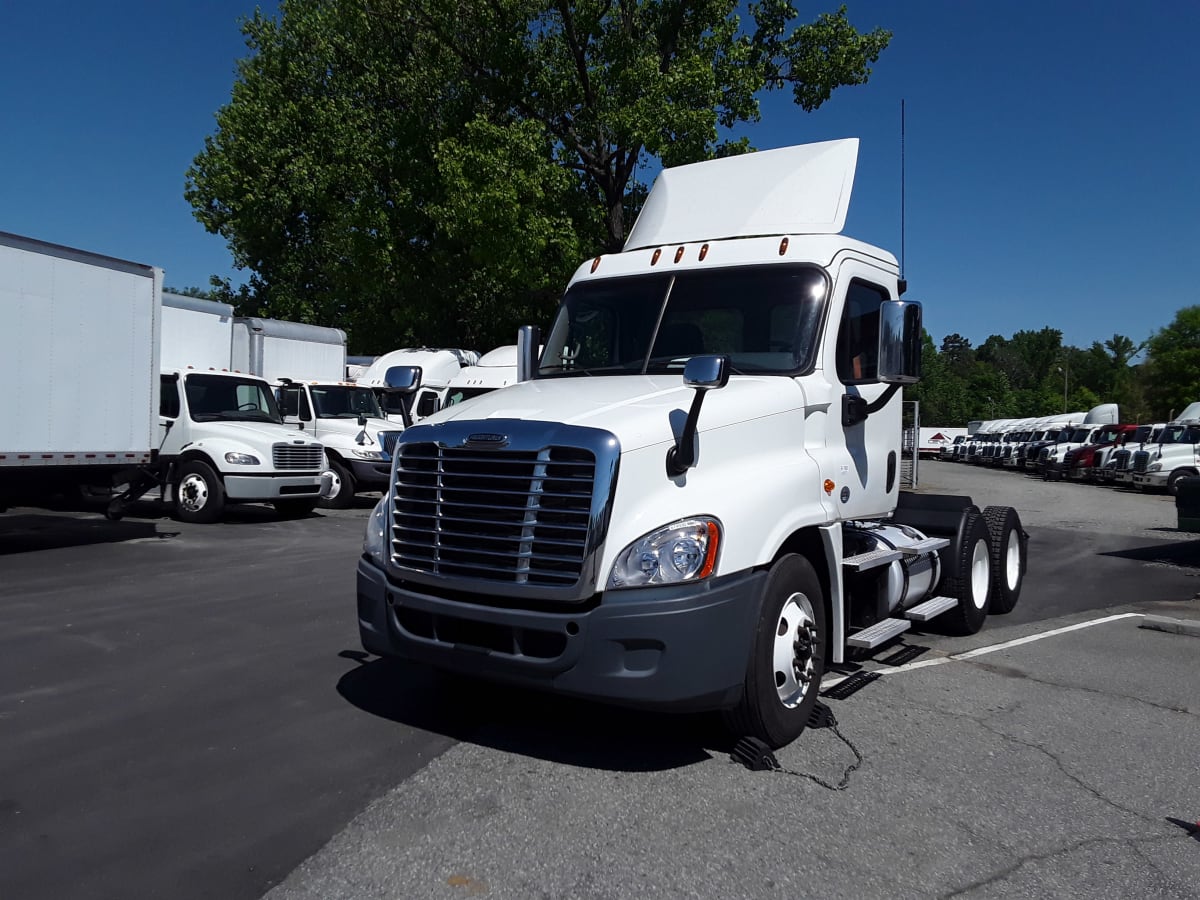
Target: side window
pixel 427 404
pixel 288 398
pixel 168 396
pixel 858 337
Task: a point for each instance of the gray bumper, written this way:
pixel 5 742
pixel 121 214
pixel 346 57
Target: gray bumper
pixel 371 474
pixel 684 648
pixel 272 487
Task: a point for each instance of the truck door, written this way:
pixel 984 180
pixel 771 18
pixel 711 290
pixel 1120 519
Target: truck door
pixel 171 415
pixel 864 456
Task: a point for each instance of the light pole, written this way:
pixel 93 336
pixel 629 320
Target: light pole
pixel 1065 368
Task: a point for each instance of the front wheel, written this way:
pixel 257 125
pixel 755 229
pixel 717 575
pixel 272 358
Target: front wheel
pixel 341 491
pixel 787 657
pixel 1177 476
pixel 199 494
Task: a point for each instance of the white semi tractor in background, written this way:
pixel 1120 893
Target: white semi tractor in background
pixel 691 499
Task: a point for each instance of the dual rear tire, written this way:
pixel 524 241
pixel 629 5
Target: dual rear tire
pixel 985 568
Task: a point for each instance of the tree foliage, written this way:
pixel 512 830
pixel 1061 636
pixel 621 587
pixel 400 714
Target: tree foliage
pixel 1174 363
pixel 422 171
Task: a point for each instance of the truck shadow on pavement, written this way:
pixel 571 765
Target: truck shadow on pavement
pixel 539 725
pixel 1179 554
pixel 30 533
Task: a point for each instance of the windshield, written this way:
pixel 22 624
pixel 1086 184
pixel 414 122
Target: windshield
pixel 764 318
pixel 1178 434
pixel 1106 435
pixel 217 397
pixel 336 401
pixel 1080 435
pixel 1142 434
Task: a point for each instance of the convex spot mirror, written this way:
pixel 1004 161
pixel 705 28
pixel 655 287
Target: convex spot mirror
pixel 706 372
pixel 899 342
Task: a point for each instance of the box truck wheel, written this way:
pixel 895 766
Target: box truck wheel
pixel 968 575
pixel 341 491
pixel 787 658
pixel 199 494
pixel 1009 542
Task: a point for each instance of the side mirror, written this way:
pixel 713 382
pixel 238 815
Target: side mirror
pixel 899 342
pixel 402 379
pixel 703 373
pixel 529 338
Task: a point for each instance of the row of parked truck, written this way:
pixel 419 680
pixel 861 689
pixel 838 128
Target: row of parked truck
pixel 1093 447
pixel 117 387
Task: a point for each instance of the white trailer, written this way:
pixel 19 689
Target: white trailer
pixel 196 333
pixel 79 355
pixel 275 349
pixel 692 499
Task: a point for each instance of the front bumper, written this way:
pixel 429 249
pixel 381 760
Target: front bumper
pixel 683 648
pixel 273 487
pixel 371 474
pixel 1150 479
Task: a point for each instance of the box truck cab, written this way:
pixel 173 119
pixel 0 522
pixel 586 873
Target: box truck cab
pixel 224 442
pixel 1176 456
pixel 347 420
pixel 691 499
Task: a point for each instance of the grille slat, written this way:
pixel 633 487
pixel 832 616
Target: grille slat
pixel 530 528
pixel 297 456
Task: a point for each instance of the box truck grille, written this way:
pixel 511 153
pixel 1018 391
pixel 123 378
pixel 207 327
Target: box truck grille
pixel 1140 459
pixel 387 441
pixel 519 516
pixel 297 456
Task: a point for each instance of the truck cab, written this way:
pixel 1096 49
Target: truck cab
pixel 1118 470
pixel 691 500
pixel 438 367
pixel 348 421
pixel 1174 457
pixel 225 442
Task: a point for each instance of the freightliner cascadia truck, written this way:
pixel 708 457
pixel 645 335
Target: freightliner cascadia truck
pixel 690 500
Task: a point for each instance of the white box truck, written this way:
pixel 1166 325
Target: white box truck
pixel 275 349
pixel 79 355
pixel 691 500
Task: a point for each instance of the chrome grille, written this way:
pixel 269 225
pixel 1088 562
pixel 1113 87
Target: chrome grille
pixel 518 516
pixel 298 456
pixel 387 441
pixel 1121 459
pixel 1140 459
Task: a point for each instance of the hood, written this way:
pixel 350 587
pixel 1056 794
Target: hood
pixel 638 409
pixel 349 430
pixel 257 434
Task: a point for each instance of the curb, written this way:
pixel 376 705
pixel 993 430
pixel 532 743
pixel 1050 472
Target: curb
pixel 1189 627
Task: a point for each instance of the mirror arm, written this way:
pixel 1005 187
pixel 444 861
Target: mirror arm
pixel 856 409
pixel 682 456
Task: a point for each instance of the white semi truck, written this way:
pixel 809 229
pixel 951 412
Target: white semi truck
pixel 1174 457
pixel 79 356
pixel 439 367
pixel 691 500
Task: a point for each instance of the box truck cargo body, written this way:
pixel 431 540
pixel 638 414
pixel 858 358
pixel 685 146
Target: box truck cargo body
pixel 196 333
pixel 274 349
pixel 79 357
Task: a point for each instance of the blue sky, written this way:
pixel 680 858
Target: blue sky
pixel 1053 171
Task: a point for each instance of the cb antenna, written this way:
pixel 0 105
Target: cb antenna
pixel 903 280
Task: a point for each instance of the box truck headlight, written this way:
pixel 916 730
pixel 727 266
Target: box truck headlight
pixel 367 454
pixel 241 459
pixel 374 542
pixel 682 551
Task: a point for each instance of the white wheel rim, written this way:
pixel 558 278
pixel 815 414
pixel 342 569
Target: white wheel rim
pixel 979 574
pixel 793 657
pixel 335 484
pixel 193 493
pixel 1012 561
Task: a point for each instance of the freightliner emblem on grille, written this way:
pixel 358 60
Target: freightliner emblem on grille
pixel 487 439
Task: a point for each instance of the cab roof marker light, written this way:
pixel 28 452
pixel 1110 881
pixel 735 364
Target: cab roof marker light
pixel 783 245
pixel 595 263
pixel 654 258
pixel 703 252
pixel 678 254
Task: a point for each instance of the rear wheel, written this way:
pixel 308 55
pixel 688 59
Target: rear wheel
pixel 968 577
pixel 787 658
pixel 1009 542
pixel 199 494
pixel 341 491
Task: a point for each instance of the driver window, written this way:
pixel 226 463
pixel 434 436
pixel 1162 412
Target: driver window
pixel 858 337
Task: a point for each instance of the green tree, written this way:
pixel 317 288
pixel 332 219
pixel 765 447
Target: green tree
pixel 411 170
pixel 1173 376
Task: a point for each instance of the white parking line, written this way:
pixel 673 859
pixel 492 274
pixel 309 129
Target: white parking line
pixel 981 651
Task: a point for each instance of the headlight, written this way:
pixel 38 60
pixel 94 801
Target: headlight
pixel 682 551
pixel 241 459
pixel 375 540
pixel 1154 467
pixel 367 454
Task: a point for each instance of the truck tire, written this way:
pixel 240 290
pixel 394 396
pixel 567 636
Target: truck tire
pixel 1177 476
pixel 342 496
pixel 199 494
pixel 787 656
pixel 1009 546
pixel 295 508
pixel 968 577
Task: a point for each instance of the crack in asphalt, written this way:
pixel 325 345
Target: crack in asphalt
pixel 1005 873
